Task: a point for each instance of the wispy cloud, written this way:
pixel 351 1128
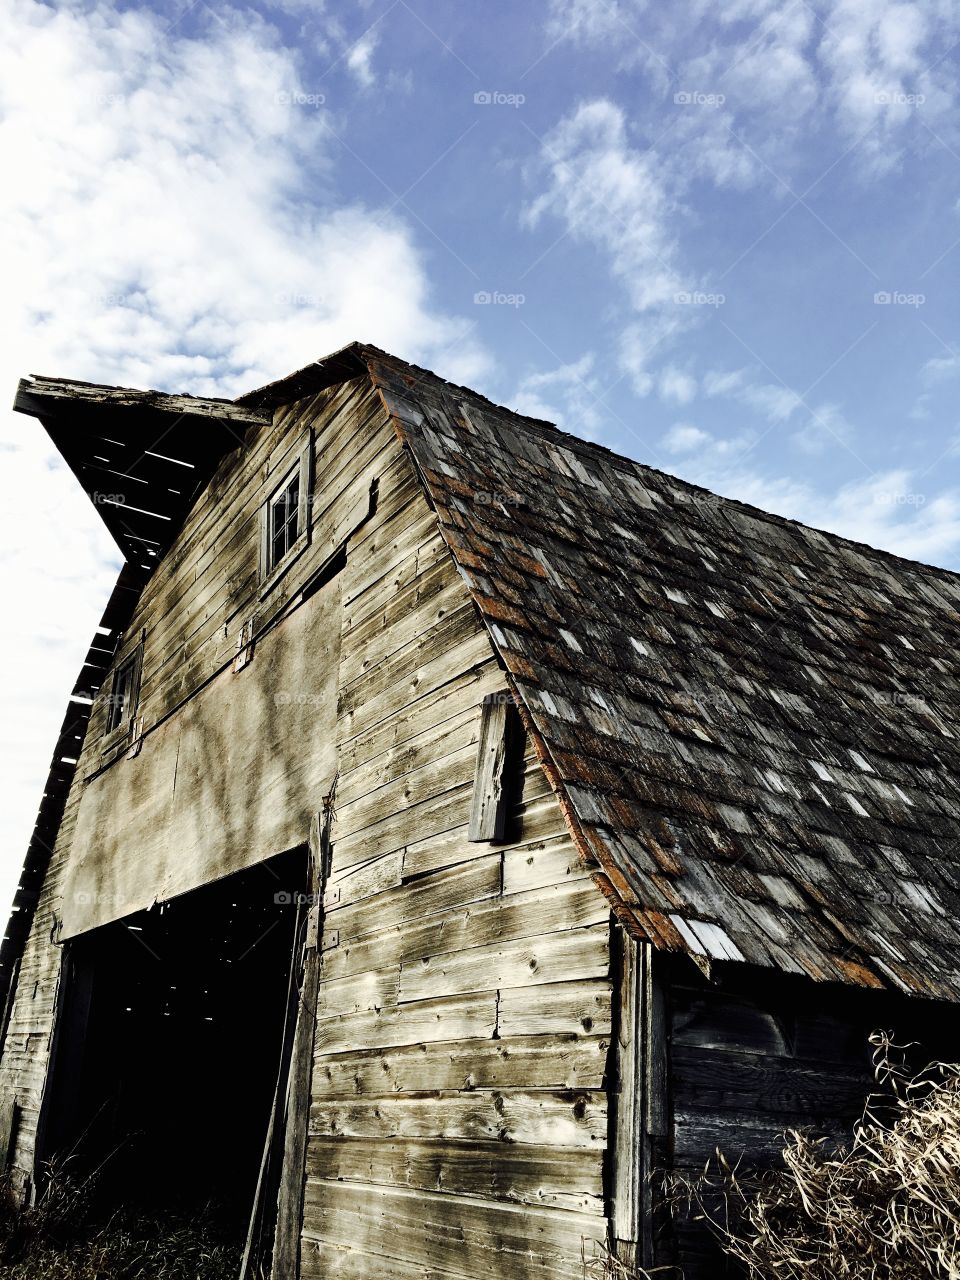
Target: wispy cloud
pixel 161 234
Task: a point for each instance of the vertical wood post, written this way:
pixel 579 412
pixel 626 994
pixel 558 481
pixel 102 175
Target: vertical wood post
pixel 488 809
pixel 641 1115
pixel 286 1245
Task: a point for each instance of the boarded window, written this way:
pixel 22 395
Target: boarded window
pixel 124 691
pixel 496 777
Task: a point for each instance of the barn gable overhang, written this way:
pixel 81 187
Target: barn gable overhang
pixel 751 726
pixel 142 457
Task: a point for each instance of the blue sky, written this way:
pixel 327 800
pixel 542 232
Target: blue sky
pixel 721 239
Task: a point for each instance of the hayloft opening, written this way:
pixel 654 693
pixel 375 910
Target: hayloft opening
pixel 173 1034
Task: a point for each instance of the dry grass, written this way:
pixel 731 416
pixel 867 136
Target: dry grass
pixel 60 1238
pixel 601 1264
pixel 884 1207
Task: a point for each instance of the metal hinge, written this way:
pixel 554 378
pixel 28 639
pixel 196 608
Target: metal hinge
pixel 244 645
pixel 313 927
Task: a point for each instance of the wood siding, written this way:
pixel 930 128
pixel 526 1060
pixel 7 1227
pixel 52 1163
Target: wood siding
pixel 756 1053
pixel 190 615
pixel 458 1113
pixel 459 1122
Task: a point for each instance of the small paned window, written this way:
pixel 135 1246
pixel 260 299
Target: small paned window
pixel 284 519
pixel 285 516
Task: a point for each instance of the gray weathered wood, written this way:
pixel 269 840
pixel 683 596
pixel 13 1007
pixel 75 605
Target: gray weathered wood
pixel 488 812
pixel 8 1115
pixel 286 1249
pixel 641 1100
pixel 41 396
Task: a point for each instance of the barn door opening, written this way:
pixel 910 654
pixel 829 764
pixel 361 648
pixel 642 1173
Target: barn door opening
pixel 172 1044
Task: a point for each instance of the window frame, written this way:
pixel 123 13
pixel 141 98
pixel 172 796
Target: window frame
pixel 118 732
pixel 272 571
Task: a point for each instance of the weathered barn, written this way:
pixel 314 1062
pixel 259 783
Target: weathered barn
pixel 455 825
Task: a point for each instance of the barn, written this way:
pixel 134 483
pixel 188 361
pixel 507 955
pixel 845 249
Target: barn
pixel 457 827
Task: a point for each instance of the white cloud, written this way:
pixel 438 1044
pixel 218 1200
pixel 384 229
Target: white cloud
pixel 676 385
pixel 893 510
pixel 896 510
pixel 684 438
pixel 855 67
pixel 940 368
pixel 569 396
pixel 825 428
pixel 771 400
pixel 611 195
pixel 644 341
pixel 587 20
pixel 360 58
pixel 173 223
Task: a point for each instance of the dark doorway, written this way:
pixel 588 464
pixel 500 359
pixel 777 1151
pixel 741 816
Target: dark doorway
pixel 171 1040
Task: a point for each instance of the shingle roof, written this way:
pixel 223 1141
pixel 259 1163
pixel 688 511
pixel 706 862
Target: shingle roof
pixel 753 726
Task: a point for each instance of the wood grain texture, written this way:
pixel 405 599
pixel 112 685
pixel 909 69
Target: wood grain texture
pixel 488 808
pixel 464 1014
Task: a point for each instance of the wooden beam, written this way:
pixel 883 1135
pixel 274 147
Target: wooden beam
pixel 641 1111
pixel 286 1246
pixel 8 1115
pixel 488 810
pixel 41 396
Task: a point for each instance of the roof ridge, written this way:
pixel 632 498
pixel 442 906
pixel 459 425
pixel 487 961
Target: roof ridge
pixel 611 456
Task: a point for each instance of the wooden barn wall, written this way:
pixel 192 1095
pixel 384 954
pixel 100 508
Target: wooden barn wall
pixel 190 614
pixel 757 1053
pixel 458 1122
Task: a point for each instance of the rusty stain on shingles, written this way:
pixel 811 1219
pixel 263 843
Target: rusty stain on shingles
pixel 743 734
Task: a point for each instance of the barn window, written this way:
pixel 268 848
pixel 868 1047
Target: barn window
pixel 286 518
pixel 124 691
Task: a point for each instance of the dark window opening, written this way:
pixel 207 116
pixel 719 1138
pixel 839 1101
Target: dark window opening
pixel 284 518
pixel 123 693
pixel 170 1042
